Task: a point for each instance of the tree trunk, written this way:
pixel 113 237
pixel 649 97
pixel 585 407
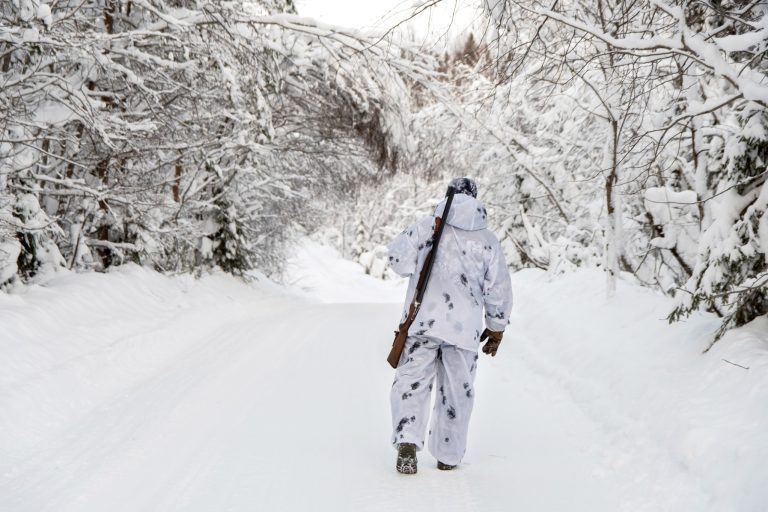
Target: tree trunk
pixel 109 16
pixel 103 230
pixel 613 206
pixel 177 181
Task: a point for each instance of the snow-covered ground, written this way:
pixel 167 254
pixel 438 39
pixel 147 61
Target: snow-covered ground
pixel 132 391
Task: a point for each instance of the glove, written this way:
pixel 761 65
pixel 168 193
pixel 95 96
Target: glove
pixel 494 340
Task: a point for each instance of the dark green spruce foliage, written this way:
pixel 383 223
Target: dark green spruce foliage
pixel 731 274
pixel 232 251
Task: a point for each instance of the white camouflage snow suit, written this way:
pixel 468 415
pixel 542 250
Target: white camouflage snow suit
pixel 469 283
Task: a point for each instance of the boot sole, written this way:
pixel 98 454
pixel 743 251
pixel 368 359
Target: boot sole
pixel 406 466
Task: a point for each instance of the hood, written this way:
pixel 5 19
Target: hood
pixel 466 213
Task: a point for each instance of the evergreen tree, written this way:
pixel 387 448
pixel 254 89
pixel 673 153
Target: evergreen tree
pixel 231 249
pixel 731 272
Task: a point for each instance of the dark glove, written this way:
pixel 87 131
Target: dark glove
pixel 494 340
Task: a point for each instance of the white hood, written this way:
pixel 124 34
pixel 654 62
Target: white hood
pixel 466 213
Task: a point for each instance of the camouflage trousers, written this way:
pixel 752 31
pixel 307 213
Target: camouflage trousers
pixel 429 364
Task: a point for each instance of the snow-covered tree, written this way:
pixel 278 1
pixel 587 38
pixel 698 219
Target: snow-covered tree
pixel 134 124
pixel 682 74
pixel 731 272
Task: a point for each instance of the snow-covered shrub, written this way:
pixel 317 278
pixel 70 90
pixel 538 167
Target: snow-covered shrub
pixel 39 253
pixel 674 220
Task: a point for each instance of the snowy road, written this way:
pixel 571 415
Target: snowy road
pixel 215 396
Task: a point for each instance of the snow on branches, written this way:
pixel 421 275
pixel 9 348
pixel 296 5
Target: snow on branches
pixel 681 91
pixel 178 136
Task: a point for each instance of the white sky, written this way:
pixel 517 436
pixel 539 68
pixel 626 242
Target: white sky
pixel 449 17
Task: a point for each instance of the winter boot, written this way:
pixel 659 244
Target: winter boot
pixel 445 467
pixel 406 458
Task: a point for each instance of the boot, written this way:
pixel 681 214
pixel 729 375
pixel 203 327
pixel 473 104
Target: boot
pixel 406 458
pixel 445 467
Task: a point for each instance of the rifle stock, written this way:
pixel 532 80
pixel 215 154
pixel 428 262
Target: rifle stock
pixel 401 334
pixel 402 330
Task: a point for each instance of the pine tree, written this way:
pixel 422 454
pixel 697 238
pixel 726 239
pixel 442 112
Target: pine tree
pixel 232 251
pixel 731 272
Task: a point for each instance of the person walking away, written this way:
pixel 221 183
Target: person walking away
pixel 467 300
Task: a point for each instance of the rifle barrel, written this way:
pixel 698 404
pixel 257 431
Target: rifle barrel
pixel 435 242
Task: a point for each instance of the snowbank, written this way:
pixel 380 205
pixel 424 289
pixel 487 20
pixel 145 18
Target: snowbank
pixel 648 384
pixel 75 344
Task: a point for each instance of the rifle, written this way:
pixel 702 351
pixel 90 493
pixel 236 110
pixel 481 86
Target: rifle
pixel 421 286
